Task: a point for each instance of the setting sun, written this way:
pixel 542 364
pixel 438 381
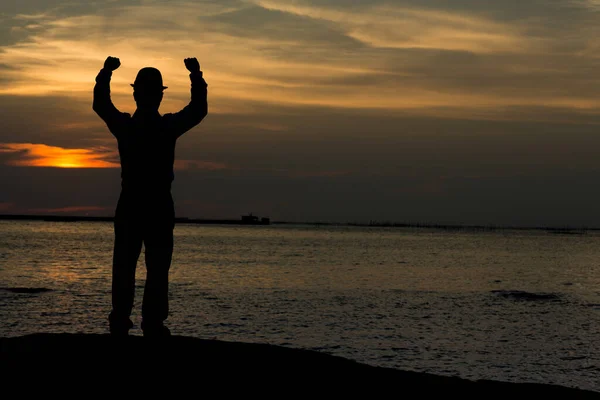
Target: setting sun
pixel 41 155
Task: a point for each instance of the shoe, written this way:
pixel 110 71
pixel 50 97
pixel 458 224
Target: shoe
pixel 118 333
pixel 155 331
pixel 120 328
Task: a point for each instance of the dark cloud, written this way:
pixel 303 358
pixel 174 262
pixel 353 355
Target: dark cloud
pixel 56 121
pixel 15 25
pixel 500 10
pixel 258 22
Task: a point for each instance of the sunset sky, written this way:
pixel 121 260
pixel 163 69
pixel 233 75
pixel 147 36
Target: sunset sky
pixel 472 112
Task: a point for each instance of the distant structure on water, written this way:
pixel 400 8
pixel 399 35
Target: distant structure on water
pixel 254 220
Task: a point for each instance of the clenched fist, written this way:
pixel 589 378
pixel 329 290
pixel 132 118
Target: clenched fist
pixel 112 63
pixel 192 65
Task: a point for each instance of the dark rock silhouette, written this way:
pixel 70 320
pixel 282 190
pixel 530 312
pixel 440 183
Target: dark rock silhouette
pixel 196 366
pixel 145 212
pixel 526 296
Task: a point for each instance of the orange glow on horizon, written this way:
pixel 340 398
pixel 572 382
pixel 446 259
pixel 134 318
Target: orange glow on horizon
pixel 41 155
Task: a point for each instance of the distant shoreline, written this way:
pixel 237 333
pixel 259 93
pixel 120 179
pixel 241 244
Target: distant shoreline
pixel 74 218
pixel 374 224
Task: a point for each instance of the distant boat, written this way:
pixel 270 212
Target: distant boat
pixel 255 220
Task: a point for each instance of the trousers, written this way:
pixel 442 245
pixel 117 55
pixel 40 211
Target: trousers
pixel 146 219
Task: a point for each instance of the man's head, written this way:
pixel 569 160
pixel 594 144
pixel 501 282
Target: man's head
pixel 148 89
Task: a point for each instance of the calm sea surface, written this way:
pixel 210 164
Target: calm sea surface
pixel 511 305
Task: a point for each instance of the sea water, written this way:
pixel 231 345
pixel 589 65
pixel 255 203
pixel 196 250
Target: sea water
pixel 511 305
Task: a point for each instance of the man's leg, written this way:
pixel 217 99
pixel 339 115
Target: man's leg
pixel 158 241
pixel 128 245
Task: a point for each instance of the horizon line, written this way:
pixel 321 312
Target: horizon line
pixel 371 223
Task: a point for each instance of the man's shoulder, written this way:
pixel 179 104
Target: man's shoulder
pixel 119 123
pixel 125 117
pixel 168 119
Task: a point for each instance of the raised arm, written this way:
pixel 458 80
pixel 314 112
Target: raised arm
pixel 103 105
pixel 197 109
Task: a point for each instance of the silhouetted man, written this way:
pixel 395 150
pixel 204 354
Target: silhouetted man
pixel 145 211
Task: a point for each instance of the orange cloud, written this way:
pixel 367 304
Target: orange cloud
pixel 63 56
pixel 41 155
